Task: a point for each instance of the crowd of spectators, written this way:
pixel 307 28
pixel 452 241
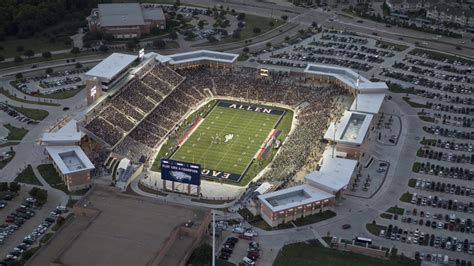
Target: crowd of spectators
pixel 137 99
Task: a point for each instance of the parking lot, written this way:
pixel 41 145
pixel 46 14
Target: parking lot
pixel 26 228
pixel 440 90
pixel 13 113
pixel 51 83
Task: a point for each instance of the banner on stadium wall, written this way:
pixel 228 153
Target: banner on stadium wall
pixel 181 172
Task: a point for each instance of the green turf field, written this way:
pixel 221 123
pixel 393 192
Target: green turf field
pixel 245 131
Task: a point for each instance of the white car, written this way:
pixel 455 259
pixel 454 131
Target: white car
pixel 238 230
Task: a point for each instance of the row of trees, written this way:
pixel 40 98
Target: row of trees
pixel 25 18
pixel 12 186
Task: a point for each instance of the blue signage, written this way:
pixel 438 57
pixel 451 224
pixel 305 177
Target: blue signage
pixel 181 172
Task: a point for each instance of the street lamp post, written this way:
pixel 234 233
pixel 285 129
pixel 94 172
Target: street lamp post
pixel 213 237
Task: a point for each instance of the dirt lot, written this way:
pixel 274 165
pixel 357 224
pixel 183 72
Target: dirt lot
pixel 129 230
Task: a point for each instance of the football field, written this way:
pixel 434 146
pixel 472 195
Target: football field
pixel 228 138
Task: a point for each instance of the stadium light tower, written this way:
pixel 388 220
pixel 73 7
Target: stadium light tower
pixel 213 237
pixel 357 91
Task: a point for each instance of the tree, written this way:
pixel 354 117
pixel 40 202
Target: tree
pixel 178 3
pixel 103 48
pixel 14 187
pixel 29 53
pixel 75 50
pixel 20 48
pixel 78 65
pixel 18 59
pixel 246 49
pixel 314 24
pixel 287 38
pixel 41 195
pixel 131 45
pixel 284 17
pixel 236 34
pixel 241 24
pixel 271 23
pixel 257 30
pixel 160 44
pixel 3 186
pixel 108 37
pixel 2 58
pixel 173 35
pixel 49 70
pixel 201 24
pixel 212 39
pixel 241 16
pixel 46 55
pixel 19 76
pixel 268 44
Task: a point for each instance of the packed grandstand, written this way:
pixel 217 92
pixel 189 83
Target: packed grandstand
pixel 147 110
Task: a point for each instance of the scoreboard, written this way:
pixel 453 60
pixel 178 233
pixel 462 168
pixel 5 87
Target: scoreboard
pixel 181 172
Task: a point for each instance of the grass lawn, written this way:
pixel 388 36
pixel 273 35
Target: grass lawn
pixel 414 104
pixel 440 56
pixel 167 148
pixel 15 133
pixel 406 197
pixel 424 116
pixel 416 167
pixel 393 46
pixel 396 210
pixel 35 114
pixel 396 88
pixel 231 157
pixel 45 238
pixel 412 182
pixel 249 130
pixel 62 94
pixel 4 163
pixel 13 97
pixel 375 228
pixel 309 254
pixel 428 142
pixel 311 219
pixel 51 176
pixel 386 216
pixel 28 177
pixel 41 59
pixel 251 22
pixel 243 57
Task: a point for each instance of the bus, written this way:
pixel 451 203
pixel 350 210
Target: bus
pixel 363 240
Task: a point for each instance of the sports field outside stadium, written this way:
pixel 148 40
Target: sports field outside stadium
pixel 228 138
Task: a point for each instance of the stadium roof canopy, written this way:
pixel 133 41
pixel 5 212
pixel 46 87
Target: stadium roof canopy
pixel 68 134
pixel 351 129
pixel 70 159
pixel 124 14
pixel 368 103
pixel 197 56
pixel 293 197
pixel 110 67
pixel 334 174
pixel 348 77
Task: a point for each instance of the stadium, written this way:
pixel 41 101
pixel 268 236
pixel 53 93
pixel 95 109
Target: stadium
pixel 200 107
pixel 239 124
